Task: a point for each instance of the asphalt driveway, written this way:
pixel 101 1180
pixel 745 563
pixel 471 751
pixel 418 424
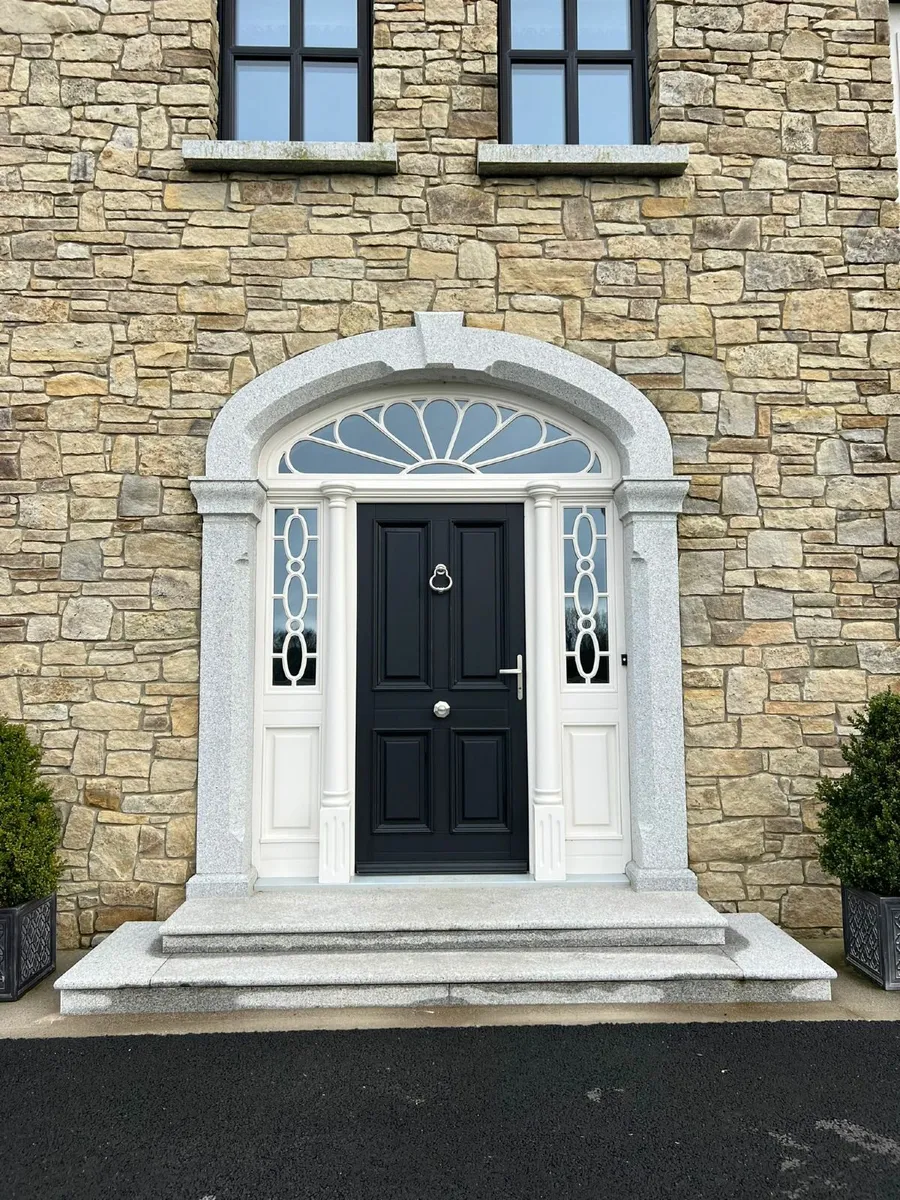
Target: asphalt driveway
pixel 699 1111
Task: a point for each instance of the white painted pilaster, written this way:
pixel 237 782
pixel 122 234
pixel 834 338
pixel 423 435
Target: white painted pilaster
pixel 335 833
pixel 549 814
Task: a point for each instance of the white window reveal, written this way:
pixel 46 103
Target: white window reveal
pixel 295 602
pixel 586 594
pixel 440 437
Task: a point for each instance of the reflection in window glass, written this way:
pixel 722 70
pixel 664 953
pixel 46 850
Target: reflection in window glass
pixel 604 25
pixel 538 104
pixel 329 23
pixel 604 105
pixel 585 594
pixel 262 23
pixel 330 102
pixel 262 98
pixel 295 598
pixel 536 24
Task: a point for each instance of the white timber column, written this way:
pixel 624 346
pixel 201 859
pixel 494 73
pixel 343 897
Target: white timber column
pixel 549 814
pixel 335 840
pixel 231 511
pixel 649 511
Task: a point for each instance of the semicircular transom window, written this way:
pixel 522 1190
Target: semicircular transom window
pixel 440 437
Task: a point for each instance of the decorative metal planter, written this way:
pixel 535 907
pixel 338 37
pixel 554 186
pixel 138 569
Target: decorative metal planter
pixel 872 935
pixel 27 946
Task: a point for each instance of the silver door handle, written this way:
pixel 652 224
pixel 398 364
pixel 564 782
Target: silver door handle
pixel 442 709
pixel 519 671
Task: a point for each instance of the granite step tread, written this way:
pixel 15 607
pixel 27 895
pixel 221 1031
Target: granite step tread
pixel 440 917
pixel 130 972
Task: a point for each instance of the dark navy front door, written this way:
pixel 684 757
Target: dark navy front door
pixel 440 793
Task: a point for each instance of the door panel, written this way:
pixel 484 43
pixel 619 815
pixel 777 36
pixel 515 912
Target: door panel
pixel 401 622
pixel 440 794
pixel 480 780
pixel 402 781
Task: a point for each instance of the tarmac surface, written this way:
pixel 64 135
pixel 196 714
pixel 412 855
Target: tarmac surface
pixel 708 1111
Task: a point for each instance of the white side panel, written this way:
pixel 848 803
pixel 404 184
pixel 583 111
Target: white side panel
pixel 289 834
pixel 590 781
pixel 291 785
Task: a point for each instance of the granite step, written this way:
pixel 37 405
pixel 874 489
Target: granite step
pixel 526 916
pixel 130 972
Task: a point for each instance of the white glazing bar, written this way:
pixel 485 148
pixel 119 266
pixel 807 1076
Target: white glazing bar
pixel 549 815
pixel 334 824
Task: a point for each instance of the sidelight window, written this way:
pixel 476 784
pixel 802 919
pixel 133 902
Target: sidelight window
pixel 295 598
pixel 572 72
pixel 296 70
pixel 585 594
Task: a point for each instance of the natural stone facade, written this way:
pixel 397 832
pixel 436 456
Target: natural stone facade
pixel 756 301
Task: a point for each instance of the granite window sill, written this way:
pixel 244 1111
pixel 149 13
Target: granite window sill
pixel 318 158
pixel 665 159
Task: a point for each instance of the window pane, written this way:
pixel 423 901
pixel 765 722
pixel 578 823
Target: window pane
pixel 536 25
pixel 262 23
pixel 604 25
pixel 585 595
pixel 330 102
pixel 329 23
pixel 262 101
pixel 604 105
pixel 295 600
pixel 538 104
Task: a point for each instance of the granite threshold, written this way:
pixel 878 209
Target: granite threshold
pixel 130 973
pixel 443 917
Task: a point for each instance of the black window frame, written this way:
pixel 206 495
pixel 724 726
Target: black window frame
pixel 295 54
pixel 571 57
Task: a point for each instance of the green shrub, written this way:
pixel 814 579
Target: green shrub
pixel 861 818
pixel 29 826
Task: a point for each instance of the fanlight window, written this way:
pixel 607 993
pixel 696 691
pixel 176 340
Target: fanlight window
pixel 440 437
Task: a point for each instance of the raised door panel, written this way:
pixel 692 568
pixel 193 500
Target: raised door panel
pixel 478 626
pixel 402 781
pixel 401 611
pixel 290 784
pixel 480 780
pixel 590 781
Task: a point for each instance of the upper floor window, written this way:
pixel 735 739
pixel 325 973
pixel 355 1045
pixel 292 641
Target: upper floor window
pixel 572 72
pixel 295 70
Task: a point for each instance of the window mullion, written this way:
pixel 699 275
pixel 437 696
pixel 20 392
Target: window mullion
pixel 571 81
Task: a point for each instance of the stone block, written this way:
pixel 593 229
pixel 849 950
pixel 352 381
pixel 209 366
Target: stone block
pixel 457 204
pixel 746 690
pixel 775 271
pixel 114 852
pixel 812 908
pixel 774 548
pixel 701 572
pixel 818 309
pixel 181 266
pixel 62 342
pixel 726 841
pixel 140 496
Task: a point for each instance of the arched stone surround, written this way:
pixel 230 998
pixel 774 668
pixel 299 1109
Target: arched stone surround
pixel 439 349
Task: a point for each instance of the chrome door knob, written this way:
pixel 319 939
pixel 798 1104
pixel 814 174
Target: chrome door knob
pixel 442 709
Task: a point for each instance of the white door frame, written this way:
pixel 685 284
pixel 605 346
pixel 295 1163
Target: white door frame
pixel 232 500
pixel 550 702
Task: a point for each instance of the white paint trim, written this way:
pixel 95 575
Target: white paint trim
pixel 439 350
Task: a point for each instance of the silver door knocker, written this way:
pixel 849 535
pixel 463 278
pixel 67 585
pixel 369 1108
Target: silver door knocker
pixel 440 581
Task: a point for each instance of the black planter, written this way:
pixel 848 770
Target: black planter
pixel 872 935
pixel 27 946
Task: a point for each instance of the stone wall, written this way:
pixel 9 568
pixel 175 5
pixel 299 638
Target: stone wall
pixel 756 300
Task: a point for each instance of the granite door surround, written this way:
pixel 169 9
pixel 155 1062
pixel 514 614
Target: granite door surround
pixel 439 349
